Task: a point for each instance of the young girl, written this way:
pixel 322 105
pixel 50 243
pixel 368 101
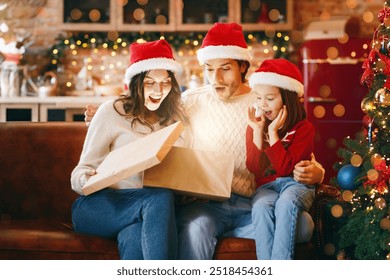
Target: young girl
pixel 278 136
pixel 142 220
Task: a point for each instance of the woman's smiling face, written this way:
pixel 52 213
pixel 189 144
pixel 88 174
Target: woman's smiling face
pixel 269 100
pixel 157 85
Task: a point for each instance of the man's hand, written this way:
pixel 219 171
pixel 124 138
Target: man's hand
pixel 308 172
pixel 89 113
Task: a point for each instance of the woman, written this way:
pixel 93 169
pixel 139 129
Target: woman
pixel 141 219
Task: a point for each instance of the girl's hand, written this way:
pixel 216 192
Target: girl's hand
pixel 279 121
pixel 256 123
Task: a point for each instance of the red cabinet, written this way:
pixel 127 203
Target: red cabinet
pixel 333 93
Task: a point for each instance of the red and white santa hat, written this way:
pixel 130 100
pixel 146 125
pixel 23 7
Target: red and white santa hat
pixel 224 40
pixel 278 72
pixel 150 56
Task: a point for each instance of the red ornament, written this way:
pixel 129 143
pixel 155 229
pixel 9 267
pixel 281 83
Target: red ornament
pixel 387 84
pixel 368 74
pixel 385 59
pixel 367 120
pixel 383 14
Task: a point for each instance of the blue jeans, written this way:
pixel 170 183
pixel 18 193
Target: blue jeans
pixel 201 223
pixel 275 209
pixel 141 220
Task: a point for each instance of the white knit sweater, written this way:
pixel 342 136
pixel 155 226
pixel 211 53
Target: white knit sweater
pixel 220 126
pixel 108 131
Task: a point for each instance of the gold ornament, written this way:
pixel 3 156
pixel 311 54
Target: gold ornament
pixel 380 66
pixel 388 257
pixel 376 45
pixel 382 97
pixel 356 160
pixel 367 105
pixel 380 203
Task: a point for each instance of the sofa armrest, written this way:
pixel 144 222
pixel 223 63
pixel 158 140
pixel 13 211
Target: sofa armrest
pixel 324 190
pixel 324 195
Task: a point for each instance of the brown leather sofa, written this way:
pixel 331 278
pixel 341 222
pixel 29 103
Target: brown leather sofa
pixel 36 160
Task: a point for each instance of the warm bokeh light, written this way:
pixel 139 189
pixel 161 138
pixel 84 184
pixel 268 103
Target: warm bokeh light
pixel 274 15
pixel 254 5
pixel 332 53
pixel 329 249
pixel 324 91
pixel 339 110
pixel 331 143
pixel 319 111
pixel 94 15
pixel 372 175
pixel 356 160
pixel 368 17
pixel 376 159
pixel 347 195
pixel 139 14
pixel 76 14
pixel 337 211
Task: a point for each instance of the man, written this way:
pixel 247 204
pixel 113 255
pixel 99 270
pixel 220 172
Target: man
pixel 217 122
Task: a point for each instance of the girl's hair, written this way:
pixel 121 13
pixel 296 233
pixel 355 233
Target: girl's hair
pixel 295 111
pixel 170 110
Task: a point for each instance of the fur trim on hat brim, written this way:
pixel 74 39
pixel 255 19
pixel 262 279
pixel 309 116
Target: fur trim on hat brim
pixel 151 64
pixel 231 52
pixel 277 80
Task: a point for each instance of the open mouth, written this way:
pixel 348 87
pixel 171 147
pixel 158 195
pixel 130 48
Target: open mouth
pixel 155 99
pixel 267 113
pixel 219 88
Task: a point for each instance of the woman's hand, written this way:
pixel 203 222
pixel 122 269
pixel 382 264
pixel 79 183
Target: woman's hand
pixel 89 113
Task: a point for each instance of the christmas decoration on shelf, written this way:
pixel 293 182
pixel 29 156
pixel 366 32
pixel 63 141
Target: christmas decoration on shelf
pixel 364 173
pixel 278 42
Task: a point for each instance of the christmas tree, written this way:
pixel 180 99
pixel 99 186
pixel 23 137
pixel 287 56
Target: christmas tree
pixel 363 172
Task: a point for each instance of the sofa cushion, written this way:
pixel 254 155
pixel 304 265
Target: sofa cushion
pixel 36 161
pixel 46 238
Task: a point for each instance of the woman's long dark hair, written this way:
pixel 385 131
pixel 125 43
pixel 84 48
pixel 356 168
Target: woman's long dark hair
pixel 170 110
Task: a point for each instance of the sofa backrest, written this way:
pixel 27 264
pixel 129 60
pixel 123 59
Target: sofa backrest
pixel 36 160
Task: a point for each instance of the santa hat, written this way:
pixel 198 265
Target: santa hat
pixel 280 73
pixel 224 40
pixel 150 56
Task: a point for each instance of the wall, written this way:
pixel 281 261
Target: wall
pixel 43 27
pixel 45 31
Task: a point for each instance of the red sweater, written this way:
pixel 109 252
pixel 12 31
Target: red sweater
pixel 279 159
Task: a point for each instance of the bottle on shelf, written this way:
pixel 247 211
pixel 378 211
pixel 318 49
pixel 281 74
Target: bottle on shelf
pixel 85 77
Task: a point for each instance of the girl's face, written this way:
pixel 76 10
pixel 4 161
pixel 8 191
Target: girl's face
pixel 269 100
pixel 157 85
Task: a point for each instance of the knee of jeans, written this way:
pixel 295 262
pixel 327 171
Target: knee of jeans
pixel 262 209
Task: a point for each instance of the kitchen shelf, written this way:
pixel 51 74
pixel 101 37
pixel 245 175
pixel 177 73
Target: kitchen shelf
pixel 177 15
